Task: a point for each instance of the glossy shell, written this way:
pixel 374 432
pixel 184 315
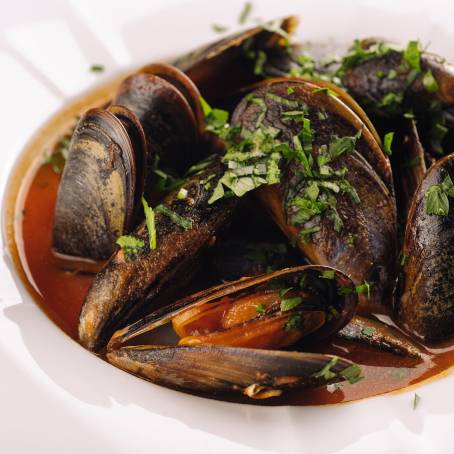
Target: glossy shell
pixel 97 194
pixel 427 303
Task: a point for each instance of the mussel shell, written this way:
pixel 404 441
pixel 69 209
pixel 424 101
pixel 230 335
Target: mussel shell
pixel 167 118
pixel 215 370
pixel 97 192
pixel 427 303
pixel 325 289
pixel 125 285
pixel 184 84
pixel 222 67
pixel 373 220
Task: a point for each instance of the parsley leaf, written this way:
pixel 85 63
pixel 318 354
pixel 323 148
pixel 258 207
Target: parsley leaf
pixel 288 304
pixel 181 221
pixel 352 374
pixel 412 55
pixel 294 322
pixel 437 202
pixel 326 373
pixel 387 142
pixel 130 245
pixel 429 82
pixel 150 221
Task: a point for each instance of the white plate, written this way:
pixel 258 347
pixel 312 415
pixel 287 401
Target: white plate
pixel 56 397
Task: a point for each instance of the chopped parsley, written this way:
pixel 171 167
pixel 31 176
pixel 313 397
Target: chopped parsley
pixel 130 245
pixel 368 331
pixel 219 28
pixel 352 374
pixel 261 309
pixel 416 400
pixel 182 194
pixel 387 142
pixel 358 289
pixel 288 304
pixel 437 202
pixel 294 322
pixel 97 68
pixel 58 156
pixel 181 221
pixel 245 13
pixel 429 82
pixel 326 91
pixel 326 373
pixel 260 60
pixel 215 119
pixel 412 55
pixel 151 225
pixel 290 90
pixel 328 274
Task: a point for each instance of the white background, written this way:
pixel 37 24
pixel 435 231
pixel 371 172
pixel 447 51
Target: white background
pixel 57 398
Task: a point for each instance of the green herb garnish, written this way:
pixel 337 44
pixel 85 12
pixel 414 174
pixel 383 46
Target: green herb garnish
pixel 290 90
pixel 412 55
pixel 96 68
pixel 181 221
pixel 245 13
pixel 416 400
pixel 182 194
pixel 352 374
pixel 288 304
pixel 215 119
pixel 261 309
pixel 328 274
pixel 150 221
pixel 387 142
pixel 219 28
pixel 326 373
pixel 326 91
pixel 429 82
pixel 130 245
pixel 294 322
pixel 368 331
pixel 437 202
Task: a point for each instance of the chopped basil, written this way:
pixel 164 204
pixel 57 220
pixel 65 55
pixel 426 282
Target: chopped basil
pixel 294 322
pixel 245 13
pixel 130 245
pixel 288 304
pixel 261 309
pixel 387 142
pixel 96 68
pixel 181 221
pixel 326 373
pixel 150 221
pixel 437 202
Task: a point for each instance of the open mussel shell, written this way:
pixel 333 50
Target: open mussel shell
pixel 97 195
pixel 256 373
pixel 224 66
pixel 426 306
pixel 170 124
pixel 223 368
pixel 364 248
pixel 128 283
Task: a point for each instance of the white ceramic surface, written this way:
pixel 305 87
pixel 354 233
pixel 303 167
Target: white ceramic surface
pixel 57 398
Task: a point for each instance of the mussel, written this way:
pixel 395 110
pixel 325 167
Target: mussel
pixel 227 329
pixel 156 115
pixel 426 306
pixel 126 284
pixel 223 67
pixel 356 233
pixel 101 182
